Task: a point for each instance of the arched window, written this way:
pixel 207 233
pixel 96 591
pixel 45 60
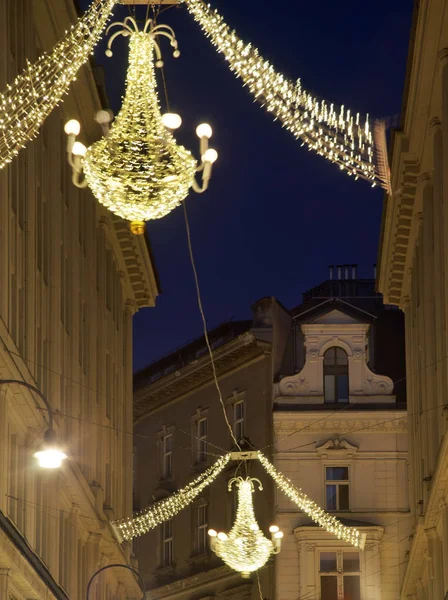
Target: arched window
pixel 335 375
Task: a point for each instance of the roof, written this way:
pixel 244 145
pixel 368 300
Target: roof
pixel 187 354
pixel 302 314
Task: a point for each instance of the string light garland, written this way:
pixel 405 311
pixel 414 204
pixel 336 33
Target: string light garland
pixel 245 549
pixel 144 521
pixel 27 102
pixel 317 514
pixel 137 170
pixel 334 133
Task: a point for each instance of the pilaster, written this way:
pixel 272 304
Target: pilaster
pixel 435 566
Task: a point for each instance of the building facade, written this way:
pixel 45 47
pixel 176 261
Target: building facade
pixel 414 275
pixel 180 431
pixel 341 436
pixel 71 278
pixel 315 389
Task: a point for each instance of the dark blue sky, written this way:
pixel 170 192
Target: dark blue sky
pixel 275 215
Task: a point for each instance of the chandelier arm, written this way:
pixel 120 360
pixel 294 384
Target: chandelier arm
pixel 165 34
pixel 161 26
pixel 75 180
pixel 26 103
pixel 134 23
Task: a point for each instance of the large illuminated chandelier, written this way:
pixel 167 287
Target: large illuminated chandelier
pixel 245 549
pixel 137 170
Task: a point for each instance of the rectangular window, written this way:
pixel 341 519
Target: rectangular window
pixel 167 456
pixel 238 419
pixel 201 440
pixel 340 577
pixel 337 488
pixel 167 543
pixel 202 525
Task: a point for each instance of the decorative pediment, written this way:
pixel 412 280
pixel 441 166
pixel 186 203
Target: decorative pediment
pixel 335 317
pixel 337 447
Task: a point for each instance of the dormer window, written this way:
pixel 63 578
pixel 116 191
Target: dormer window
pixel 336 375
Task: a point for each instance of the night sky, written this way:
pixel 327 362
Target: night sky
pixel 275 215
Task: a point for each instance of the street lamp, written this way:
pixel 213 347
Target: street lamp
pixel 50 456
pixel 140 580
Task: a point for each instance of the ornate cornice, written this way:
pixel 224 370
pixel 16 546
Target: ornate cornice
pixel 139 269
pixel 389 422
pixel 240 351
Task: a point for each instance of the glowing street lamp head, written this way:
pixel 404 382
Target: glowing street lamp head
pixel 51 455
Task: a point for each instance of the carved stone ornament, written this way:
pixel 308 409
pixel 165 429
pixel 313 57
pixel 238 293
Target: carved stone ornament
pixel 338 447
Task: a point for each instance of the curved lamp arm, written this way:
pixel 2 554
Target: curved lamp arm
pixel 36 391
pixel 110 567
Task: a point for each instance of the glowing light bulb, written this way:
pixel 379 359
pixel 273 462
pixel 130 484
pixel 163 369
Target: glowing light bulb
pixel 210 156
pixel 51 458
pixel 79 149
pixel 212 533
pixel 72 127
pixel 204 131
pixel 222 536
pixel 103 116
pixel 171 120
pixel 273 529
pixel 278 535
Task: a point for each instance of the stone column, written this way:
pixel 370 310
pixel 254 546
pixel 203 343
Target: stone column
pixel 436 567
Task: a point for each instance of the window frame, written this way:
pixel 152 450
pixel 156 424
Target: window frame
pixel 240 421
pixel 339 572
pixel 336 371
pixel 167 456
pixel 201 440
pixel 337 483
pixel 201 528
pixel 167 541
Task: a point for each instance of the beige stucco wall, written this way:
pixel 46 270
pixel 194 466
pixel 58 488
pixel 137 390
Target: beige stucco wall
pixel 66 305
pixel 413 274
pixel 206 575
pixel 377 462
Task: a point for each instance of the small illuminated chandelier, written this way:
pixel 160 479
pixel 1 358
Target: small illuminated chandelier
pixel 245 548
pixel 137 170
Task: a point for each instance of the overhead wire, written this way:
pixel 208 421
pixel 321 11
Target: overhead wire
pixel 204 322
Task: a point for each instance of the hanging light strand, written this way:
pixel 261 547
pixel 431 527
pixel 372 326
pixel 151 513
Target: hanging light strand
pixel 318 515
pixel 27 102
pixel 334 133
pixel 144 521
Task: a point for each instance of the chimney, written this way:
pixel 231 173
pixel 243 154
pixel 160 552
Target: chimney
pixel 331 271
pixel 374 271
pixel 339 271
pixel 354 273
